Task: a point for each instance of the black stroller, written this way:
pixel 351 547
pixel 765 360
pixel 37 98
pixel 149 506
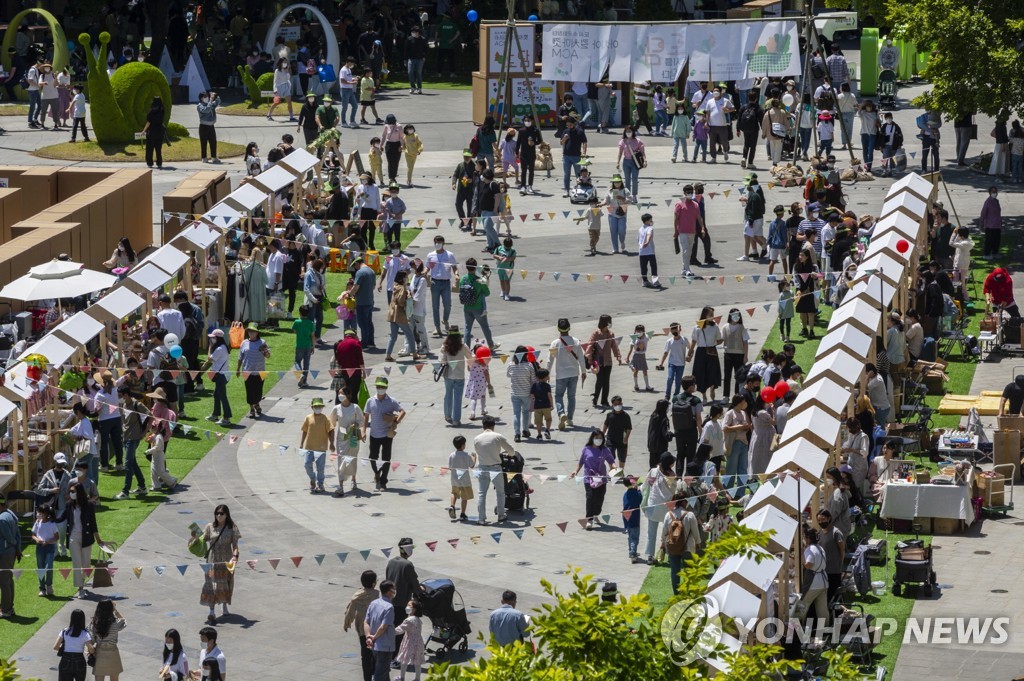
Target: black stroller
pixel 517 493
pixel 887 90
pixel 443 606
pixel 914 566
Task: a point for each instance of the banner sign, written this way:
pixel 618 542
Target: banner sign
pixel 543 96
pixel 497 49
pixel 640 52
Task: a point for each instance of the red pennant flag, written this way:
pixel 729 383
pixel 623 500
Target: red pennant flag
pixel 437 222
pixel 607 277
pixel 750 311
pixel 419 368
pixel 540 275
pixel 64 572
pixel 431 545
pixel 536 216
pixel 296 560
pixel 112 571
pixel 670 505
pixel 395 465
pixel 273 562
pixel 251 564
pixel 454 543
pixel 583 522
pixel 718 319
pixel 628 513
pixel 625 278
pixel 562 525
pixel 721 280
pixel 87 572
pixel 523 217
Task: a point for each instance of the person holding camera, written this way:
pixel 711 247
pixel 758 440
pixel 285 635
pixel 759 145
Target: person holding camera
pixel 473 292
pixel 207 108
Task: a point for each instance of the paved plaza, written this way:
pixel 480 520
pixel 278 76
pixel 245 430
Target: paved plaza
pixel 290 617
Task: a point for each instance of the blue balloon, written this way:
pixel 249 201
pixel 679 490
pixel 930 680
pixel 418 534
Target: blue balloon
pixel 533 17
pixel 472 15
pixel 175 352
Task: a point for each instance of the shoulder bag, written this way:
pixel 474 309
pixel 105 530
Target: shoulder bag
pixel 639 157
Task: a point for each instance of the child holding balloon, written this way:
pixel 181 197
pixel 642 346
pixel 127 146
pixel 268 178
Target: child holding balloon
pixel 479 382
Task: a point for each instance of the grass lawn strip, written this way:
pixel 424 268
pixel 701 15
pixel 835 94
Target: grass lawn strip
pixel 182 149
pixel 657 585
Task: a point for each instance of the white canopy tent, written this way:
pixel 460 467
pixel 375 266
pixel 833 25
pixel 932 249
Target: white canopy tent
pixel 889 241
pixel 732 600
pixel 905 202
pixel 840 366
pixel 200 235
pixel 813 423
pixel 803 454
pixel 168 258
pixel 56 351
pixel 148 277
pixel 770 519
pixel 748 572
pixel 848 337
pixel 902 223
pixel 874 288
pixel 79 329
pixel 117 304
pixel 789 493
pixel 223 216
pixel 300 161
pixel 857 312
pixel 825 393
pixel 272 180
pixel 876 264
pixel 914 183
pixel 247 198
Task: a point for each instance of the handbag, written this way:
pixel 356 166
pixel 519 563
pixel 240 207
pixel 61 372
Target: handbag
pixel 275 306
pixel 440 371
pixel 60 648
pixel 90 659
pixel 779 130
pixel 197 546
pixel 101 578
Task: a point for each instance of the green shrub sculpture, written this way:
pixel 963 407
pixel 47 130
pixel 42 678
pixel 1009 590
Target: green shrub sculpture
pixel 119 104
pixel 254 86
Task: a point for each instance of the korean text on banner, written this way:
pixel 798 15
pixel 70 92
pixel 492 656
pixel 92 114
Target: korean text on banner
pixel 666 51
pixel 497 55
pixel 569 51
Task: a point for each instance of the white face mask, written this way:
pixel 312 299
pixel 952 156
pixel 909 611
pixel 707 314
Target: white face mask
pixel 408 608
pixel 718 95
pixel 204 100
pixel 734 317
pixel 617 407
pixel 318 410
pixel 598 441
pixel 688 195
pixel 73 495
pixel 888 43
pixel 812 216
pixel 439 247
pixel 364 182
pixel 993 194
pixel 630 134
pixel 527 124
pixel 382 391
pixel 395 251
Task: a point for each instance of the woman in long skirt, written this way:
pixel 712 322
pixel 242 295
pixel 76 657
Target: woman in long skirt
pixel 760 451
pixel 221 538
pixel 705 339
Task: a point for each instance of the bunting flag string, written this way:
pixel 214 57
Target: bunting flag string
pixel 749 482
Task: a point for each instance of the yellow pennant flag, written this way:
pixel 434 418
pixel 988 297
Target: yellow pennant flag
pixel 771 185
pixel 590 277
pixel 739 278
pixel 230 565
pixel 475 539
pixel 523 273
pixel 504 358
pixel 726 193
pixel 540 529
pixel 551 216
pixel 137 570
pixel 419 223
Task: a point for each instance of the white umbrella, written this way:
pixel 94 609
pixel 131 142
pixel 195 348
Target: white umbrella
pixel 57 279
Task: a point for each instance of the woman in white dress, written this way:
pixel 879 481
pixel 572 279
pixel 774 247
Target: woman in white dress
pixel 346 420
pixel 282 89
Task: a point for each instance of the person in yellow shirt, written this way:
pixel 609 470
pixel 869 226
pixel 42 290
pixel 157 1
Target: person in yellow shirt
pixel 413 148
pixel 376 161
pixel 314 443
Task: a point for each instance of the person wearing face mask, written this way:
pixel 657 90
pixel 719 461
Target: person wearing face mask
pixel 463 182
pixel 593 461
pixel 415 53
pixel 381 418
pixel 443 268
pixel 891 138
pixel 50 98
pixel 308 123
pixel 174 659
pixel 616 430
pixel 412 651
pixel 527 141
pixel 574 146
pixel 889 56
pixel 718 109
pixel 207 108
pixel 687 219
pixel 991 220
pixel 82 532
pixel 85 437
pixel 675 352
pixel 401 572
pixel 635 159
pixel 253 162
pixel 314 443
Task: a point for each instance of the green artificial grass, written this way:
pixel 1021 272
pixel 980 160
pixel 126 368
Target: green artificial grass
pixel 183 149
pixel 657 585
pixel 443 85
pixel 13 109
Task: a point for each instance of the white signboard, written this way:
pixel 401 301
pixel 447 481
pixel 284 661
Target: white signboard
pixel 622 40
pixel 772 49
pixel 544 97
pixel 290 33
pixel 666 51
pixel 569 51
pixel 497 55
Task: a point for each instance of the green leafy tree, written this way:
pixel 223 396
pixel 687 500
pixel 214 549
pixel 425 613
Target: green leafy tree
pixel 653 10
pixel 9 671
pixel 580 637
pixel 977 52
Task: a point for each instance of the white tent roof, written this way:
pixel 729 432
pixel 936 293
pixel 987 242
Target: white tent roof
pixel 199 235
pixel 17 381
pixel 904 224
pixel 300 161
pixel 733 600
pixel 827 392
pixel 874 288
pixel 149 276
pixel 247 197
pixel 728 644
pixel 168 258
pixel 223 216
pixel 793 492
pixel 812 420
pixel 801 453
pixel 118 303
pixel 53 349
pixel 80 328
pixel 768 519
pixel 273 179
pixel 6 407
pixel 907 201
pixel 884 265
pixel 889 240
pixel 912 182
pixel 857 311
pixel 841 363
pixel 847 336
pixel 760 575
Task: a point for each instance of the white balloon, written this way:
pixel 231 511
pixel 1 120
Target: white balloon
pixel 787 99
pixel 170 340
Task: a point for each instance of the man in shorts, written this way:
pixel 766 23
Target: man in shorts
pixel 753 220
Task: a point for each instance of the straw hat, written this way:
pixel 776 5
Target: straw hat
pixel 158 394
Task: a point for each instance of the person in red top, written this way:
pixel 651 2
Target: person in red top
pixel 348 358
pixel 998 291
pixel 687 218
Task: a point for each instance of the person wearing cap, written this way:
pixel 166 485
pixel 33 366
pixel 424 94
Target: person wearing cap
pixel 10 553
pixel 567 357
pixel 135 416
pixel 463 181
pixel 574 146
pixel 218 363
pixel 364 279
pixel 315 441
pixel 402 573
pixel 50 98
pixel 527 141
pixel 826 133
pixel 252 362
pixel 381 417
pixel 346 419
pixel 308 123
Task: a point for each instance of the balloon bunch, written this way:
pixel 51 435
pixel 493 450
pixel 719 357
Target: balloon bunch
pixel 173 345
pixel 771 393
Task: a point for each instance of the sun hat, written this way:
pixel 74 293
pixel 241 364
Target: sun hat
pixel 216 333
pixel 60 458
pixel 158 394
pixel 751 177
pixel 381 382
pixel 466 153
pixel 616 178
pixel 328 99
pixel 253 326
pixel 316 402
pixel 350 332
pixel 310 94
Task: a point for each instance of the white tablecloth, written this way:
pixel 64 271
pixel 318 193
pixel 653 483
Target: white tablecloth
pixel 908 501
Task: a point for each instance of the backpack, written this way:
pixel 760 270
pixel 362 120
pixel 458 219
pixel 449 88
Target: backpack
pixel 675 544
pixel 684 416
pixel 827 100
pixel 817 68
pixel 193 329
pixel 811 187
pixel 748 119
pixel 467 292
pixel 474 143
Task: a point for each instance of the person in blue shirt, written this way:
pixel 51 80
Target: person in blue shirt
pixel 778 239
pixel 380 631
pixel 507 625
pixel 631 501
pixel 365 279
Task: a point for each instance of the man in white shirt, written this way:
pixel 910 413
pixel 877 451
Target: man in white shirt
pixel 32 77
pixel 718 109
pixel 676 348
pixel 443 267
pixel 570 363
pixel 210 651
pixel 488 447
pixel 348 83
pixel 170 318
pixel 393 264
pixel 275 267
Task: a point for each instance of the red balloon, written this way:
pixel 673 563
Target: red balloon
pixel 483 352
pixel 781 388
pixel 531 354
pixel 902 245
pixel 768 394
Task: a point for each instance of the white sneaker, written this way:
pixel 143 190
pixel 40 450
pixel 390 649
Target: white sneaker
pixel 121 495
pixel 529 190
pixel 742 258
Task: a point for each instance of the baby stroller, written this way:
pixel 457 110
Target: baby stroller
pixel 887 90
pixel 443 606
pixel 913 566
pixel 517 493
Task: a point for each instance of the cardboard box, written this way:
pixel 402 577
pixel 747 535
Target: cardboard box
pixel 946 525
pixel 40 182
pixel 925 523
pixel 923 477
pixel 1008 422
pixel 1006 449
pixel 71 181
pixel 993 491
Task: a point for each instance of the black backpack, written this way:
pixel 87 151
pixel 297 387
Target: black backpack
pixel 817 68
pixel 684 416
pixel 827 100
pixel 193 329
pixel 467 292
pixel 748 119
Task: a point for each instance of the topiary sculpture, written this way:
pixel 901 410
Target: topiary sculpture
pixel 256 86
pixel 119 104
